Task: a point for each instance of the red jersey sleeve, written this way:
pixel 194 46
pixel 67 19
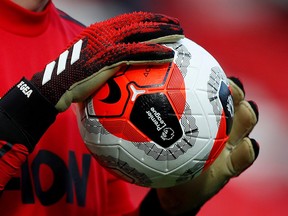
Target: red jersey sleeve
pixel 12 156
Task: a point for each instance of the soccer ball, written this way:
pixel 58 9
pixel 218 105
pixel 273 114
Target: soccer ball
pixel 160 125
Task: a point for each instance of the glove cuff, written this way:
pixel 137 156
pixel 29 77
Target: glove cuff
pixel 151 205
pixel 29 110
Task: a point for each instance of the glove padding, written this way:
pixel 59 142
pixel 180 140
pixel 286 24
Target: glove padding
pixel 100 49
pixel 238 154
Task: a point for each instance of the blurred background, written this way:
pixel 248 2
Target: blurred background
pixel 249 38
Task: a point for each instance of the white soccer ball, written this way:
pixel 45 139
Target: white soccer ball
pixel 160 125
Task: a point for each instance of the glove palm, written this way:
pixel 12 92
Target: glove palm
pixel 238 154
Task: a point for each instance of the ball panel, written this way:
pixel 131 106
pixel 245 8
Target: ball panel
pixel 145 76
pixel 153 115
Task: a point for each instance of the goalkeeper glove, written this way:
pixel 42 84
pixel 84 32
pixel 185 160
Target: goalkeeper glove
pixel 31 106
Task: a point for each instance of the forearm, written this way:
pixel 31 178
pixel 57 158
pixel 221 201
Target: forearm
pixel 24 117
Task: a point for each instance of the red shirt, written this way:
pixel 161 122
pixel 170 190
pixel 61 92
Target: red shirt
pixel 60 177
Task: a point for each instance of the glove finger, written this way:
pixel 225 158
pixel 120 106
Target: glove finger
pixel 148 31
pixel 243 156
pixel 238 91
pixel 237 82
pixel 246 113
pixel 132 53
pixel 245 118
pixel 255 109
pixel 138 17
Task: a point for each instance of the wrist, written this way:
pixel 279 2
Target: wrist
pixel 151 205
pixel 29 111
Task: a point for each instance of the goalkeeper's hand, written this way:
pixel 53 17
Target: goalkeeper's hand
pixel 238 154
pixel 99 51
pixel 31 106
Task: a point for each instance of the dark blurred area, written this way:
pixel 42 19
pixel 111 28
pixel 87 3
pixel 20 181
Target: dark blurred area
pixel 249 38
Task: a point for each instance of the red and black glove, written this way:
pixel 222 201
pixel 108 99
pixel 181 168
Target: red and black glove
pixel 31 106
